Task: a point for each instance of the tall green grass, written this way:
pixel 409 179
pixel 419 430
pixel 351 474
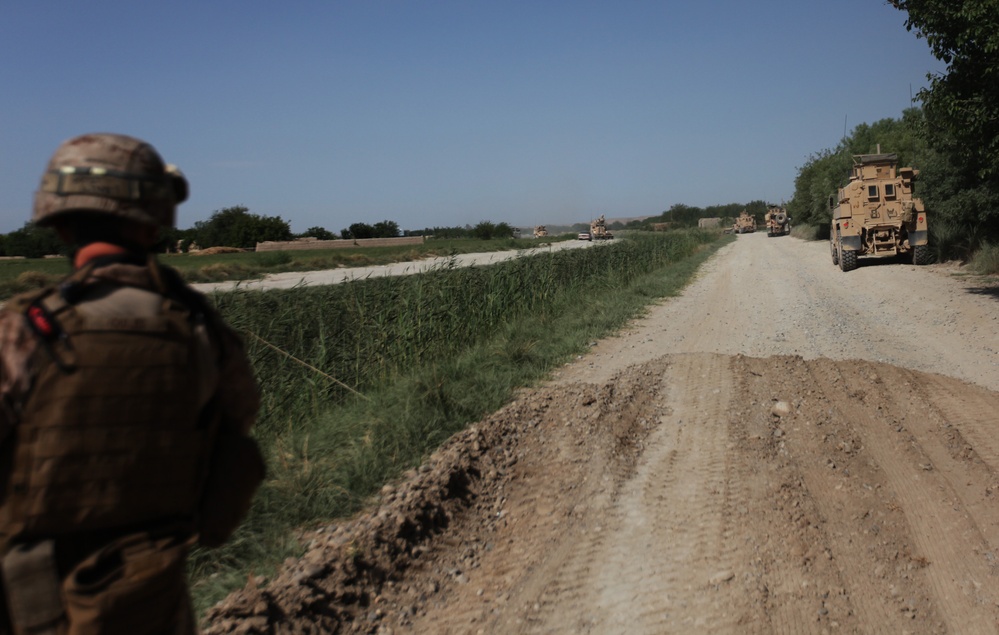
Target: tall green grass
pixel 986 260
pixel 430 354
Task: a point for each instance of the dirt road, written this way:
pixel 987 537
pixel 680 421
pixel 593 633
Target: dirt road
pixel 783 449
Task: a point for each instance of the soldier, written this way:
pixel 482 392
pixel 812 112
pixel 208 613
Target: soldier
pixel 125 408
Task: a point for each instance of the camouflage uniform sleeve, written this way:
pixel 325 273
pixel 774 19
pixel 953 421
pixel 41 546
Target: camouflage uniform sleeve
pixel 239 394
pixel 17 345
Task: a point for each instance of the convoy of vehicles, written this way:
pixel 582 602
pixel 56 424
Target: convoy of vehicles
pixel 876 214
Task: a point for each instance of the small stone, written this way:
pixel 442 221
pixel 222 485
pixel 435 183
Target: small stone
pixel 781 409
pixel 721 576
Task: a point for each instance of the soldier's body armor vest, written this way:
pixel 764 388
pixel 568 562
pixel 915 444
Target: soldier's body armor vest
pixel 111 434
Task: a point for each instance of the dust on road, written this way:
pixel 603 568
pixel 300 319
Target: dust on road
pixel 783 449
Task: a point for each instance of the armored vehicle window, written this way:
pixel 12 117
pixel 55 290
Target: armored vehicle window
pixel 872 192
pixel 889 190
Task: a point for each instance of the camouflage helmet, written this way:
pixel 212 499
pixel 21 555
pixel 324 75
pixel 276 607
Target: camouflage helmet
pixel 109 174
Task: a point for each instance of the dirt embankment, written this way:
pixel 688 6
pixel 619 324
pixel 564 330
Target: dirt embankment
pixel 723 466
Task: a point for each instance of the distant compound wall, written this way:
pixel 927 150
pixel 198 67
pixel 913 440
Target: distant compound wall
pixel 346 243
pixel 707 223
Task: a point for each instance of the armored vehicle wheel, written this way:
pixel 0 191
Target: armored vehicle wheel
pixel 848 260
pixel 921 255
pixel 835 256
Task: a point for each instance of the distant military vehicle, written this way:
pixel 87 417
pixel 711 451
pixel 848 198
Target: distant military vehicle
pixel 876 214
pixel 744 223
pixel 540 231
pixel 599 231
pixel 777 221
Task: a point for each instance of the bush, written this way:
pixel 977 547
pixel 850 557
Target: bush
pixel 810 232
pixel 237 227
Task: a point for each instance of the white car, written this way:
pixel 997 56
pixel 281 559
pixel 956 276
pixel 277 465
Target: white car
pixel 584 236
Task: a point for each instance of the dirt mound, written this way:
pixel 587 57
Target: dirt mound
pixel 339 584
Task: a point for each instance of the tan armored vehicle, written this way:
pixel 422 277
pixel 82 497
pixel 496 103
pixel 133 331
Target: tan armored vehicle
pixel 599 231
pixel 777 221
pixel 745 223
pixel 876 214
pixel 540 231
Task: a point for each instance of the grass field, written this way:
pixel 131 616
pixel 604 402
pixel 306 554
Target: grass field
pixel 428 355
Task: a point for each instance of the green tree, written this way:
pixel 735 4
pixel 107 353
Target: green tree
pixel 484 230
pixel 359 230
pixel 962 104
pixel 679 214
pixel 487 230
pixel 319 233
pixel 32 241
pixel 386 229
pixel 504 230
pixel 237 227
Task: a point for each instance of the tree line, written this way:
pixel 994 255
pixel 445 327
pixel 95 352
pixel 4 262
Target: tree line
pixel 238 227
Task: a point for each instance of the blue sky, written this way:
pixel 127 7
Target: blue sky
pixel 442 113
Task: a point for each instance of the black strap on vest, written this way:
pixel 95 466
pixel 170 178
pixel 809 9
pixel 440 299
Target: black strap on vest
pixel 42 311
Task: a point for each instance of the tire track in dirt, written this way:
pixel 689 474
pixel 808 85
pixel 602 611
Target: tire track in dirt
pixel 967 415
pixel 948 542
pixel 673 557
pixel 860 531
pixel 806 582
